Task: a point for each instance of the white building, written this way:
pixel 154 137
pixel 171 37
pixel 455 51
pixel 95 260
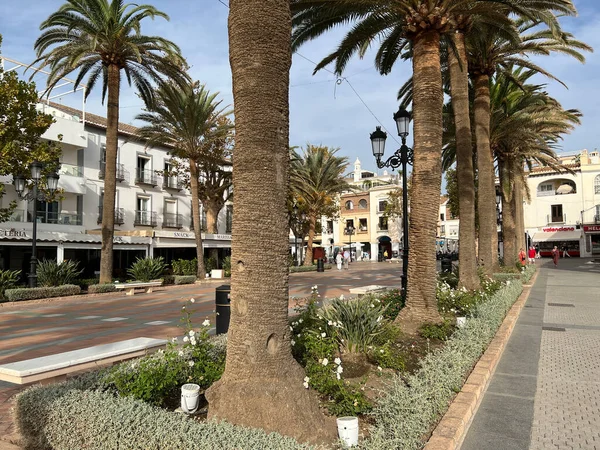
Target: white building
pixel 152 216
pixel 447 228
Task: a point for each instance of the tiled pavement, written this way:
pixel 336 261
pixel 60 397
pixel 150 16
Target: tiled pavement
pixel 545 393
pixel 33 329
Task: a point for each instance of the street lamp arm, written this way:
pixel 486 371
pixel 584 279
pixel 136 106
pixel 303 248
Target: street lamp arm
pixel 404 155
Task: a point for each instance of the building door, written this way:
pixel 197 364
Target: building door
pixel 595 244
pixel 557 213
pixel 143 210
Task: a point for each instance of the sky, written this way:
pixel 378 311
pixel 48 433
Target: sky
pixel 324 109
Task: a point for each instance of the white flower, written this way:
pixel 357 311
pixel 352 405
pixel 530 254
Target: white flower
pixel 379 368
pixel 342 341
pixel 191 363
pixel 298 335
pixel 342 297
pixel 338 361
pixel 339 369
pixel 380 318
pixel 330 323
pixel 338 376
pixel 174 339
pixel 180 353
pixel 372 305
pixel 293 342
pixel 305 384
pixel 325 361
pixel 306 379
pixel 381 351
pixel 508 282
pixel 323 334
pixel 291 328
pixel 206 323
pixel 299 320
pixel 185 339
pixel 315 287
pixel 192 300
pixel 318 296
pixel 191 333
pixel 193 341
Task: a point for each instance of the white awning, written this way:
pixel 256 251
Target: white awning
pixel 557 236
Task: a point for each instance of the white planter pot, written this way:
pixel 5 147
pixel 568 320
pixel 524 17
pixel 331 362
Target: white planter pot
pixel 216 273
pixel 348 430
pixel 190 398
pixel 461 321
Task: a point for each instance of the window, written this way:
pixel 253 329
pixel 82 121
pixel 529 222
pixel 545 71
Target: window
pixel 442 217
pixel 443 230
pixel 597 184
pixel 228 218
pixel 349 205
pixel 557 213
pixel 362 224
pixel 382 205
pixel 546 187
pixel 362 204
pixel 329 229
pixel 383 223
pixel 349 224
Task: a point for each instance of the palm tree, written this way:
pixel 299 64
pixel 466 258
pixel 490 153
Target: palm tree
pixel 262 385
pixel 490 52
pixel 186 119
pixel 317 178
pixel 101 38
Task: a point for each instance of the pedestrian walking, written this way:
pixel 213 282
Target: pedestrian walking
pixel 522 257
pixel 531 255
pixel 565 252
pixel 385 254
pixel 537 251
pixel 555 256
pixel 346 259
pixel 338 260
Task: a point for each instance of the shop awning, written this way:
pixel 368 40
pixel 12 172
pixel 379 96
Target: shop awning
pixel 558 236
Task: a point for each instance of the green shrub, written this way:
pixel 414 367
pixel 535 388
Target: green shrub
pixel 355 321
pixel 96 420
pixel 8 280
pixel 147 269
pixel 227 266
pixel 419 400
pixel 312 268
pixel 527 274
pixel 459 302
pixel 440 331
pixel 393 302
pixel 101 288
pixel 84 283
pixel 15 295
pixel 451 279
pixel 168 280
pixel 184 279
pixel 388 356
pixel 51 274
pixel 210 263
pixel 185 266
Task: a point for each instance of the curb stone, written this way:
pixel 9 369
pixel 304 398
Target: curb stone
pixel 452 429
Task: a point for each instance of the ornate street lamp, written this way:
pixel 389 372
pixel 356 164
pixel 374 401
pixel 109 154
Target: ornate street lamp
pixel 349 230
pixel 298 221
pixel 33 196
pixel 499 218
pixel 401 157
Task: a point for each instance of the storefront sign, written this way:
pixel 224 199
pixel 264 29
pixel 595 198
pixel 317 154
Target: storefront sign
pixel 554 230
pixel 591 228
pixel 9 233
pixel 175 234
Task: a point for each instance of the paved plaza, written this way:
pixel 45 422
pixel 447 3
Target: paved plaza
pixel 545 393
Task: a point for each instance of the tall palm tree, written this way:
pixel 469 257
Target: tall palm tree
pixel 317 178
pixel 490 52
pixel 262 385
pixel 101 38
pixel 187 119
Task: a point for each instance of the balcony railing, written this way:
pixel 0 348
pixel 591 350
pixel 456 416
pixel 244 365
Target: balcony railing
pixel 557 219
pixel 145 218
pixel 546 193
pixel 597 218
pixel 119 215
pixel 120 175
pixel 146 177
pixel 171 220
pixel 55 218
pixel 203 226
pixel 70 169
pixel 18 215
pixel 172 183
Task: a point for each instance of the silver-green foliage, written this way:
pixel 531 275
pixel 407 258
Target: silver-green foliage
pixel 101 288
pixel 51 274
pixel 411 406
pixel 100 421
pixel 14 295
pixel 146 269
pixel 184 279
pixel 360 321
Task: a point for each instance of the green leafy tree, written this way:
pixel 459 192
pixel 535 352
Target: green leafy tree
pixel 102 39
pixel 317 179
pixel 21 127
pixel 190 121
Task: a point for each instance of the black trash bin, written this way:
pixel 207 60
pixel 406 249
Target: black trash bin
pixel 223 303
pixel 320 265
pixel 446 264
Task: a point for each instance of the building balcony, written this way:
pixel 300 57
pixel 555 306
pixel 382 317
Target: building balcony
pixel 556 219
pixel 120 175
pixel 147 177
pixel 171 220
pixel 20 215
pixel 119 215
pixel 173 183
pixel 145 219
pixel 71 170
pixel 203 226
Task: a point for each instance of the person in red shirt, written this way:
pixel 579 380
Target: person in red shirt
pixel 531 255
pixel 522 256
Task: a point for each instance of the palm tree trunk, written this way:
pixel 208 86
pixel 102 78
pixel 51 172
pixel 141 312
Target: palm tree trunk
pixel 459 81
pixel 212 216
pixel 262 383
pixel 421 305
pixel 486 204
pixel 312 226
pixel 201 271
pixel 110 172
pixel 509 231
pixel 519 219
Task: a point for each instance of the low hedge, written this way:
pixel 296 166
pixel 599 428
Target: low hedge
pixel 101 288
pixel 525 275
pixel 294 269
pixel 15 295
pixel 185 279
pixel 411 406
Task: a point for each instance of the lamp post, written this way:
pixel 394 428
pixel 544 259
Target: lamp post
pixel 349 230
pixel 298 220
pixel 499 221
pixel 33 196
pixel 401 157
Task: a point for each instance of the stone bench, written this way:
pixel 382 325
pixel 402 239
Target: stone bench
pixel 131 287
pixel 394 260
pixel 371 289
pixel 56 367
